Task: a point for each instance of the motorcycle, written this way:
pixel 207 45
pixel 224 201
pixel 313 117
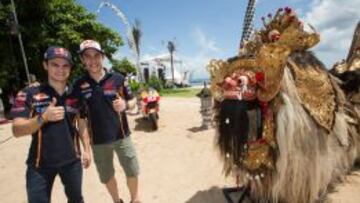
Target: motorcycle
pixel 150 106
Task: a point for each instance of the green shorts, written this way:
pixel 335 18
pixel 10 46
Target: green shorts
pixel 104 156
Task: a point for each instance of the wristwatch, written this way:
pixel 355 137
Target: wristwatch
pixel 40 120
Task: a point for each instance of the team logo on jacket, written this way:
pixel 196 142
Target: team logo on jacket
pixel 19 104
pixel 86 90
pixel 71 104
pixel 41 101
pixel 71 101
pixel 109 88
pixel 20 98
pixel 84 85
pixel 40 97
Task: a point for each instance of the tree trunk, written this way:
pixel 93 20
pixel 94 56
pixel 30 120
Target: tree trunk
pixel 172 68
pixel 140 78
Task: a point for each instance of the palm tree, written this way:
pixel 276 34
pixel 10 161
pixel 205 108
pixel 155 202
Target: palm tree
pixel 171 48
pixel 134 43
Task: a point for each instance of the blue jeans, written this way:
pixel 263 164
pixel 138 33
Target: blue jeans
pixel 39 182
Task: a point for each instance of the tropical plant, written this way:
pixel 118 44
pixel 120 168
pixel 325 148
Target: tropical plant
pixel 123 66
pixel 44 23
pixel 171 49
pixel 134 43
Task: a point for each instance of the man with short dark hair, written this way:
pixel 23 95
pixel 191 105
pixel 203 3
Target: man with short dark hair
pixel 49 113
pixel 107 96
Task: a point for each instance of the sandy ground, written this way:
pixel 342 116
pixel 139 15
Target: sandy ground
pixel 178 163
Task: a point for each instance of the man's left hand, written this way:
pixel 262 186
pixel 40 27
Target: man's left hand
pixel 86 159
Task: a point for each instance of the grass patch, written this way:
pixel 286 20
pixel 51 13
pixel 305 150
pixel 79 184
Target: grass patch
pixel 180 92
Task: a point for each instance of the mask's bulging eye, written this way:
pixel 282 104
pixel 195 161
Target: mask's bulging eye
pixel 243 80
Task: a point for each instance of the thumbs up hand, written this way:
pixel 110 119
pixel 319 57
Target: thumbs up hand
pixel 53 113
pixel 53 102
pixel 119 104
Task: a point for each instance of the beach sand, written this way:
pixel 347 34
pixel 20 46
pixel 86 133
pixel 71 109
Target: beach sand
pixel 179 163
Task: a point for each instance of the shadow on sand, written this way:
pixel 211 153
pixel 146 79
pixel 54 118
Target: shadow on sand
pixel 197 129
pixel 217 195
pixel 143 124
pixel 212 195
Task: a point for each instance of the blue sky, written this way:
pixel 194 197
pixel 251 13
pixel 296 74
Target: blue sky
pixel 206 29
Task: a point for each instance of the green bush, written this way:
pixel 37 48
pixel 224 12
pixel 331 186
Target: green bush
pixel 155 83
pixel 134 85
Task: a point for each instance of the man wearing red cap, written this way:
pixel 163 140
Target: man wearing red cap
pixel 107 97
pixel 49 113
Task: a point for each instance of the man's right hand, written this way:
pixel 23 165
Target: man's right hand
pixel 53 113
pixel 119 104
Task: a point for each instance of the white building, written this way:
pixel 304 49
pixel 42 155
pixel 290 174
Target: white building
pixel 161 63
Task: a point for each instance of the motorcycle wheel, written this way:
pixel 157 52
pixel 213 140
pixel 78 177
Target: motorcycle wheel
pixel 154 121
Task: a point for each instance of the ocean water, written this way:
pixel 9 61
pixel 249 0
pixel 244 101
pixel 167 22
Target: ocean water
pixel 199 82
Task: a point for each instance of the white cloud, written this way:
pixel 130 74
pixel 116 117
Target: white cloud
pixel 204 42
pixel 197 65
pixel 335 20
pixel 208 50
pixel 152 48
